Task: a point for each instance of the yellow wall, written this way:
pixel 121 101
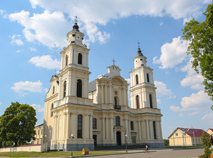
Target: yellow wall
pixel 210 132
pixel 179 139
pixel 38 135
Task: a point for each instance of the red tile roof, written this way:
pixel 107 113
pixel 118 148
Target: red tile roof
pixel 190 131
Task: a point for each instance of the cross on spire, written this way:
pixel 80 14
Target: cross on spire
pixel 138 44
pixel 76 19
pixel 113 61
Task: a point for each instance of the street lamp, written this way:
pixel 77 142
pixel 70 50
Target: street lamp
pixel 126 141
pixel 72 137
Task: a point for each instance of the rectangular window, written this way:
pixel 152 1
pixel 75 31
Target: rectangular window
pixel 176 134
pixel 150 100
pixel 94 125
pixel 154 130
pixel 38 132
pixel 132 125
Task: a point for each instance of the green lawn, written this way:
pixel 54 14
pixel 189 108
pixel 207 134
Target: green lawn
pixel 185 147
pixel 55 153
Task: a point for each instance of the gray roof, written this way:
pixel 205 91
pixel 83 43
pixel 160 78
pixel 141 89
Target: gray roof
pixel 92 86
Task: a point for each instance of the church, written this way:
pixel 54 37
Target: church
pixel 79 113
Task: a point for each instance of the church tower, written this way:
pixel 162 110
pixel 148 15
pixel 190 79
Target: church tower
pixel 143 91
pixel 73 110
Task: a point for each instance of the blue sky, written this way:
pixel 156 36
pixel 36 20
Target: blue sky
pixel 33 32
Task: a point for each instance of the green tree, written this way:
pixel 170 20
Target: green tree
pixel 166 142
pixel 200 35
pixel 206 145
pixel 17 124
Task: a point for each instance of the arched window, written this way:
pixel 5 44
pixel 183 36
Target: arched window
pixel 80 58
pixel 94 123
pixel 65 88
pixel 136 79
pixel 137 102
pixel 117 121
pixel 51 110
pixel 66 60
pixel 53 89
pixel 150 101
pixel 132 125
pixel 147 75
pixel 79 88
pixel 79 134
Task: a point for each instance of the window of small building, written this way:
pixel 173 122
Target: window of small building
pixel 38 132
pixel 79 134
pixel 176 134
pixel 51 110
pixel 154 130
pixel 80 58
pixel 117 120
pixel 65 88
pixel 79 88
pixel 132 125
pixel 94 123
pixel 137 102
pixel 150 100
pixel 136 79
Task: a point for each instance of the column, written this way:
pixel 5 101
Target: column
pixel 160 130
pixel 68 125
pixel 73 125
pixel 151 129
pixel 137 137
pixel 120 99
pixel 102 94
pixel 69 88
pixel 143 130
pixel 129 131
pixel 111 129
pixel 64 127
pixel 106 94
pixel 103 128
pixel 110 93
pixel 139 129
pixel 60 87
pixel 124 95
pixel 91 132
pixel 86 126
pixel 107 129
pixel 54 128
pixel 147 129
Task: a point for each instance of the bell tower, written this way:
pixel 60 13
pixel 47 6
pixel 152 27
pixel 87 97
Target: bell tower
pixel 142 90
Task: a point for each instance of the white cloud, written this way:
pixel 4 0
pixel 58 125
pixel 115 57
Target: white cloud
pixel 158 101
pixel 32 49
pixel 192 79
pixel 45 61
pixel 18 51
pixel 16 40
pixel 207 117
pixel 172 53
pixel 193 113
pixel 0 103
pixel 50 27
pixel 161 23
pixel 196 101
pixel 3 13
pixel 162 90
pixel 27 86
pixel 38 107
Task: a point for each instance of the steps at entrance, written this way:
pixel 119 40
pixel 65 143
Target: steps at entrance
pixel 119 147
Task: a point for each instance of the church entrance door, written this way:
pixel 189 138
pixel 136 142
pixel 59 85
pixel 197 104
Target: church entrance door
pixel 118 137
pixel 95 140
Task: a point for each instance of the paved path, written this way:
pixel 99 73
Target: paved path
pixel 160 153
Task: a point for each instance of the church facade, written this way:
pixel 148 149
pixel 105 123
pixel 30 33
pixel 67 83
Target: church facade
pixel 81 114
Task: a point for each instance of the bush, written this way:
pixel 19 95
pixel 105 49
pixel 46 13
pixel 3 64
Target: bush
pixel 206 145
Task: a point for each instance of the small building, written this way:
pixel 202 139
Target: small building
pixel 39 134
pixel 185 137
pixel 210 131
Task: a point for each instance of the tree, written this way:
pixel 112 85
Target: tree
pixel 17 124
pixel 166 142
pixel 200 35
pixel 206 145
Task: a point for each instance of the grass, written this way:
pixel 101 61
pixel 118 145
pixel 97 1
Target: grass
pixel 55 153
pixel 186 147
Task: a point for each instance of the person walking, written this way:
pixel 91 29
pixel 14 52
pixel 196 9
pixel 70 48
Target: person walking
pixel 147 148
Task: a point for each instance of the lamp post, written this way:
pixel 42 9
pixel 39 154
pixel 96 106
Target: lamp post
pixel 72 136
pixel 126 141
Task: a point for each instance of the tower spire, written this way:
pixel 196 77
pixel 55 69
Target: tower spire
pixel 139 50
